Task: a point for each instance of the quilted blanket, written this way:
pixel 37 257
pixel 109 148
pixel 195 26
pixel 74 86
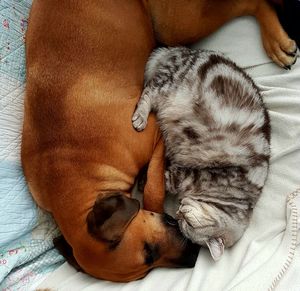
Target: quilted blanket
pixel 26 232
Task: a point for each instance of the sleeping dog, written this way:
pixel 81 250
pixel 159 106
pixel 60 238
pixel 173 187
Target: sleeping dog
pixel 81 156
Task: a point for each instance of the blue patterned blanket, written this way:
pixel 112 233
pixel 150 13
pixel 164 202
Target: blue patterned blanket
pixel 26 232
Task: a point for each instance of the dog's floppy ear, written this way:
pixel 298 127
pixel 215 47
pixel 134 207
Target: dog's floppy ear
pixel 110 217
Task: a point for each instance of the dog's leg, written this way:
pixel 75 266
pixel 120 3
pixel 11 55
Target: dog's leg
pixel 179 22
pixel 154 192
pixel 279 47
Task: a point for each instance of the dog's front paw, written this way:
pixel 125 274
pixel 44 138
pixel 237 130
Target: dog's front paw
pixel 139 120
pixel 281 49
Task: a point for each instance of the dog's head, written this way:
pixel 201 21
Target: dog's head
pixel 128 242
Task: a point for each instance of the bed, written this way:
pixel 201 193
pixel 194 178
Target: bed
pixel 266 258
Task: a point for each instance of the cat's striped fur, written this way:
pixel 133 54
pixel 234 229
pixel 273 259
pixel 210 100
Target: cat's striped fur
pixel 217 137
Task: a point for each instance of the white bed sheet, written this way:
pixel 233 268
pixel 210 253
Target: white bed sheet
pixel 268 255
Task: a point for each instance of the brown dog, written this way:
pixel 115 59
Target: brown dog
pixel 85 65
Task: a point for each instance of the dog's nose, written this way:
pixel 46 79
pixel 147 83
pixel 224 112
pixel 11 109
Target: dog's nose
pixel 169 220
pixel 190 255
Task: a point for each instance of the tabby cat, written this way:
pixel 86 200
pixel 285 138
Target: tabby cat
pixel 217 137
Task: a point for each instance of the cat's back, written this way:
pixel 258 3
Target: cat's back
pixel 201 81
pixel 210 109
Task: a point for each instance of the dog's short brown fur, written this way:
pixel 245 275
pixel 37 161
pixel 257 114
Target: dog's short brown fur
pixel 85 66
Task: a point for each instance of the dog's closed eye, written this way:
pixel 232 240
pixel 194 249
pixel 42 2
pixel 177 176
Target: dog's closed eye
pixel 151 253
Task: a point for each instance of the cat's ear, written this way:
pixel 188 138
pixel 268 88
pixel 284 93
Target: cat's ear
pixel 216 248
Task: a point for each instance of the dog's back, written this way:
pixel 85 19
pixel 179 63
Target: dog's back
pixel 85 63
pixel 77 78
pixel 80 154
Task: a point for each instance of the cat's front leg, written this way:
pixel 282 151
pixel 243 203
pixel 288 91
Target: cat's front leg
pixel 142 111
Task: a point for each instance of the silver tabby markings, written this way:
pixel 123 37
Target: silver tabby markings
pixel 217 136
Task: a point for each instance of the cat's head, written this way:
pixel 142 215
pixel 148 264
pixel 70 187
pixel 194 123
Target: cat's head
pixel 197 221
pixel 205 224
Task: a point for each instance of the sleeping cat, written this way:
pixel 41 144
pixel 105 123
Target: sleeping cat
pixel 217 137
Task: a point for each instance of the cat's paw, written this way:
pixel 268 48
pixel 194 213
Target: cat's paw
pixel 139 120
